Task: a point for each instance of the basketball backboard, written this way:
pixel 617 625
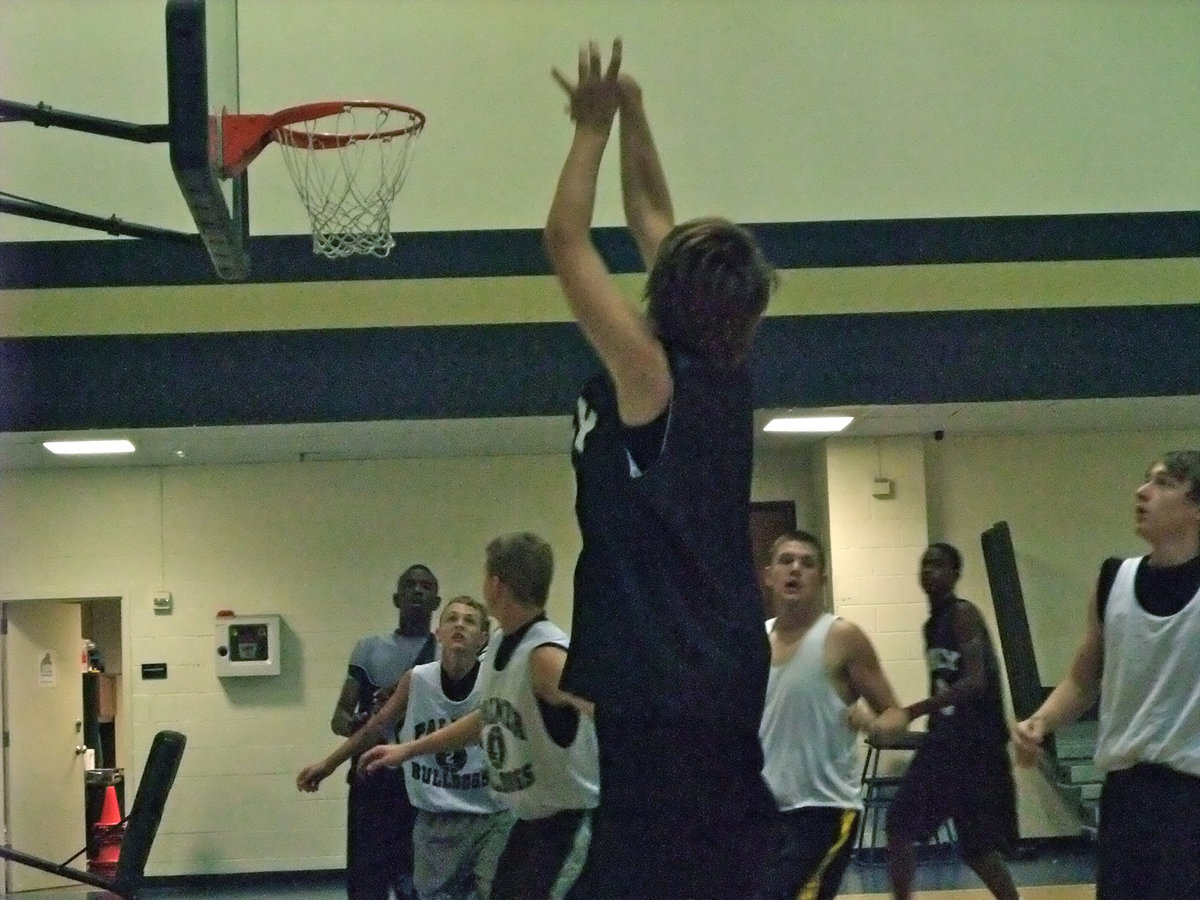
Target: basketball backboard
pixel 202 85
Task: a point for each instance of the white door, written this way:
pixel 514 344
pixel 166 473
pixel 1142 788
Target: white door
pixel 43 699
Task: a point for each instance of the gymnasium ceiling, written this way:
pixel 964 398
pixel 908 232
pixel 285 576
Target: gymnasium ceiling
pixel 550 434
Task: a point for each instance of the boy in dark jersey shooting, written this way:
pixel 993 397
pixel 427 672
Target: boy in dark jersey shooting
pixel 667 639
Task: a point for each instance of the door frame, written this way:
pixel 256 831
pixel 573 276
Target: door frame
pixel 123 736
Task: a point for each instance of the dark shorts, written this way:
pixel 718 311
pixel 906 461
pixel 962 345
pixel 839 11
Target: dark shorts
pixel 971 784
pixel 1149 841
pixel 817 846
pixel 541 857
pixel 684 813
pixel 379 825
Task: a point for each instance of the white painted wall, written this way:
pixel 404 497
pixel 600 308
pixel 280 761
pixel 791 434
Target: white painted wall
pixel 765 111
pixel 321 544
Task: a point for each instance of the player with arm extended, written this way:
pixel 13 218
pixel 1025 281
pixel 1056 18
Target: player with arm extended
pixel 460 826
pixel 962 770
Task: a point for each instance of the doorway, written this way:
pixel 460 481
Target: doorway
pixel 768 520
pixel 44 673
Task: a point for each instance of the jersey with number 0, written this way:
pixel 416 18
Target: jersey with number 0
pixel 528 770
pixel 455 780
pixel 668 612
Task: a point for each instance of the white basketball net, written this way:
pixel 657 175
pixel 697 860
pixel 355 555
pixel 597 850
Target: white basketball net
pixel 348 184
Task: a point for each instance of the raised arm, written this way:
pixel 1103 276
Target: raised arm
pixel 620 334
pixel 372 731
pixel 459 733
pixel 647 199
pixel 1074 695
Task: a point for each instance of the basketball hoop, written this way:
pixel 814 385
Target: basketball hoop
pixel 348 160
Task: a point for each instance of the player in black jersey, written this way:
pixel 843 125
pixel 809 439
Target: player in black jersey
pixel 962 770
pixel 668 639
pixel 1139 659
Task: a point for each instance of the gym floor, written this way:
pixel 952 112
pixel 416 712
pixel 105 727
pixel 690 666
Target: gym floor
pixel 1058 872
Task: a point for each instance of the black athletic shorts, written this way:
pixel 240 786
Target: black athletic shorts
pixel 970 783
pixel 684 812
pixel 814 856
pixel 537 854
pixel 1149 841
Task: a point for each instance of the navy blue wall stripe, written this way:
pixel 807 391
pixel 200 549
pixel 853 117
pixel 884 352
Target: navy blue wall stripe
pixel 472 254
pixel 146 381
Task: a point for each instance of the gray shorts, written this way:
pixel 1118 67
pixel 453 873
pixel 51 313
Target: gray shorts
pixel 455 854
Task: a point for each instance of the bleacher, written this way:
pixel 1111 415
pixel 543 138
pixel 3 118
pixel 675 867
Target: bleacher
pixel 1067 761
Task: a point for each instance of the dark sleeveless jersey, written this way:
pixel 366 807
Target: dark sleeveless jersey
pixel 980 718
pixel 668 615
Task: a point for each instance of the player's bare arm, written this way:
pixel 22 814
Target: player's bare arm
pixel 649 212
pixel 368 735
pixel 460 733
pixel 620 334
pixel 344 721
pixel 1070 698
pixel 865 680
pixel 546 665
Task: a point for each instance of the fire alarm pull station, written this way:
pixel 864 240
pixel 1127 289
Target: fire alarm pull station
pixel 247 645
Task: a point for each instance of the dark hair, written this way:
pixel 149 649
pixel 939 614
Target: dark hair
pixel 951 551
pixel 802 537
pixel 1185 465
pixel 417 567
pixel 525 563
pixel 708 288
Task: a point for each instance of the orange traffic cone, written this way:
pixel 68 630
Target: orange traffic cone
pixel 108 832
pixel 111 813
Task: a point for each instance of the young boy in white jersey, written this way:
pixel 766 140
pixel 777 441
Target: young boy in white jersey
pixel 539 741
pixel 1139 659
pixel 460 826
pixel 821 665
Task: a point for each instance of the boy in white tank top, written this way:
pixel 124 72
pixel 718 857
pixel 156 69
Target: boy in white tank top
pixel 821 665
pixel 1138 658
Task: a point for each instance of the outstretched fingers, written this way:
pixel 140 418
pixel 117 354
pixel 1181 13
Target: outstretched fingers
pixel 562 81
pixel 614 61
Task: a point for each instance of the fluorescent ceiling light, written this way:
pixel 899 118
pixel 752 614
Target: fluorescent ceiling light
pixel 87 448
pixel 809 424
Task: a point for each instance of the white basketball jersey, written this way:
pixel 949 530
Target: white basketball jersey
pixel 1150 687
pixel 454 781
pixel 532 774
pixel 811 752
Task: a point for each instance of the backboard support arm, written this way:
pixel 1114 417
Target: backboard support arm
pixel 32 209
pixel 46 116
